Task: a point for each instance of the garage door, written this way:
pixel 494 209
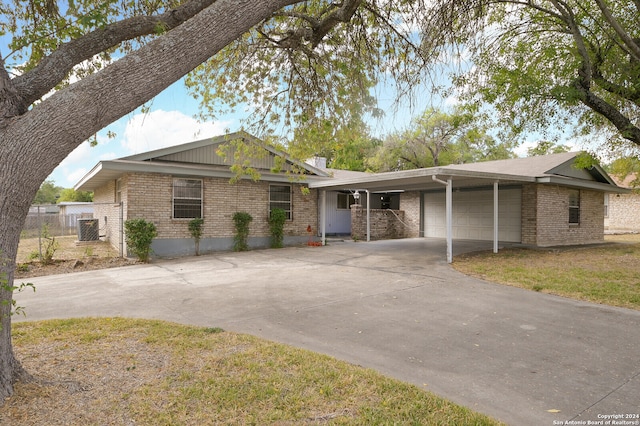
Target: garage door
pixel 473 215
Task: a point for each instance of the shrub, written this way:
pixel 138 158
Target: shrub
pixel 277 218
pixel 241 221
pixel 139 235
pixel 50 245
pixel 195 228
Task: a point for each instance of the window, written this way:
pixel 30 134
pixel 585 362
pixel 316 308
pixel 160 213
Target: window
pixel 187 198
pixel 574 207
pixel 280 198
pixel 606 205
pixel 345 201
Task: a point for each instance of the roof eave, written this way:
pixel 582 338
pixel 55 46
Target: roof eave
pixel 405 175
pixel 576 183
pixel 114 168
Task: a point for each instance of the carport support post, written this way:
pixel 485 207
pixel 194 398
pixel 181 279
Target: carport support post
pixel 495 216
pixel 368 215
pixel 323 216
pixel 449 208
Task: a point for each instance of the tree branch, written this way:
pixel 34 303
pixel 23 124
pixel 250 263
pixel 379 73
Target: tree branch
pixel 51 70
pixel 632 46
pixel 627 129
pixel 317 32
pixel 54 127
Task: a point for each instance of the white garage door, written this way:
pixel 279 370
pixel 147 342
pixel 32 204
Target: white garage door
pixel 473 215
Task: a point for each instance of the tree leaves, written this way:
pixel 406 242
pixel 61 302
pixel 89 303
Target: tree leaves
pixel 549 65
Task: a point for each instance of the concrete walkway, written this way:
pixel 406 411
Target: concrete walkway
pixel 522 357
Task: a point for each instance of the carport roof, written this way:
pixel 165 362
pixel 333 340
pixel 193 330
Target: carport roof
pixel 556 169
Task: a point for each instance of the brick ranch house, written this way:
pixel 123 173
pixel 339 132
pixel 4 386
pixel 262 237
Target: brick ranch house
pixel 542 201
pixel 171 186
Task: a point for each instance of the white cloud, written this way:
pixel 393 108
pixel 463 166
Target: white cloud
pixel 75 176
pixel 160 129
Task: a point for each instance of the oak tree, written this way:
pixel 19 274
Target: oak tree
pixel 72 68
pixel 546 64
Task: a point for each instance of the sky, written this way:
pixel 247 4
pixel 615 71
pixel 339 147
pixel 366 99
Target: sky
pixel 170 121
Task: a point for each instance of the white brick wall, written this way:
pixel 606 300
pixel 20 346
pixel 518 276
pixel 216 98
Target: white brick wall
pixel 624 212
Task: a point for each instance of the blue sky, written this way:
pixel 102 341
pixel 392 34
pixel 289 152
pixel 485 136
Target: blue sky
pixel 171 121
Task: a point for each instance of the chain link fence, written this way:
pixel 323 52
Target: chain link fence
pixel 87 222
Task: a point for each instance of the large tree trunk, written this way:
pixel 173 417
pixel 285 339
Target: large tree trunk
pixel 33 143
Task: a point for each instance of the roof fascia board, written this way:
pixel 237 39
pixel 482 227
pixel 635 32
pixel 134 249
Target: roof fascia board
pixel 86 178
pixel 598 186
pixel 377 178
pixel 176 169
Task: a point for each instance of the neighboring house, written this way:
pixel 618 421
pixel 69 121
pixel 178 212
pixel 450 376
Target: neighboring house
pixel 542 201
pixel 174 185
pixel 622 211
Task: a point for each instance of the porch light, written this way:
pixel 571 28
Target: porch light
pixel 356 197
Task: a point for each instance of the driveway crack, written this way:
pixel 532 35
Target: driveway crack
pixel 606 396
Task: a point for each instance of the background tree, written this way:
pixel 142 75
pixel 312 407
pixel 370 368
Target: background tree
pixel 70 194
pixel 60 82
pixel 547 64
pixel 438 138
pixel 344 147
pixel 546 148
pixel 623 167
pixel 48 193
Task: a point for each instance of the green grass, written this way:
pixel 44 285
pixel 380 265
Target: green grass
pixel 161 373
pixel 608 274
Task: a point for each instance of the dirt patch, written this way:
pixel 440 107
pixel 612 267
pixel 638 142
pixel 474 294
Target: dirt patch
pixel 70 256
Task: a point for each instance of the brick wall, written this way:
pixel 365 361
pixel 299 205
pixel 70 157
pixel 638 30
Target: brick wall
pixel 545 216
pixel 384 224
pixel 529 214
pixel 149 196
pixel 107 211
pixel 624 212
pixel 410 204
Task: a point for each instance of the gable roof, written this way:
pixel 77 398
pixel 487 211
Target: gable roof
pixel 627 181
pixel 550 169
pixel 199 158
pixel 540 167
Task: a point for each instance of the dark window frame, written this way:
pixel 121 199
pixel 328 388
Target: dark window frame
pixel 574 207
pixel 279 198
pixel 185 204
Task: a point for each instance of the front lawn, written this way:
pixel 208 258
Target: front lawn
pixel 115 371
pixel 608 274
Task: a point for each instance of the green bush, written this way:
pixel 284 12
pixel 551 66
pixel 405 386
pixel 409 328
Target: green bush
pixel 276 227
pixel 139 235
pixel 49 245
pixel 195 229
pixel 241 221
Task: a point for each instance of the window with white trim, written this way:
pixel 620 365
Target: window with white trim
pixel 606 205
pixel 187 198
pixel 280 198
pixel 574 207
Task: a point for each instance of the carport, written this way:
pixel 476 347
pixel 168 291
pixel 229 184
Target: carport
pixel 423 180
pixel 482 191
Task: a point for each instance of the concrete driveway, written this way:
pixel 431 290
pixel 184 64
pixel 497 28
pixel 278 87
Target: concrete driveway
pixel 522 357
